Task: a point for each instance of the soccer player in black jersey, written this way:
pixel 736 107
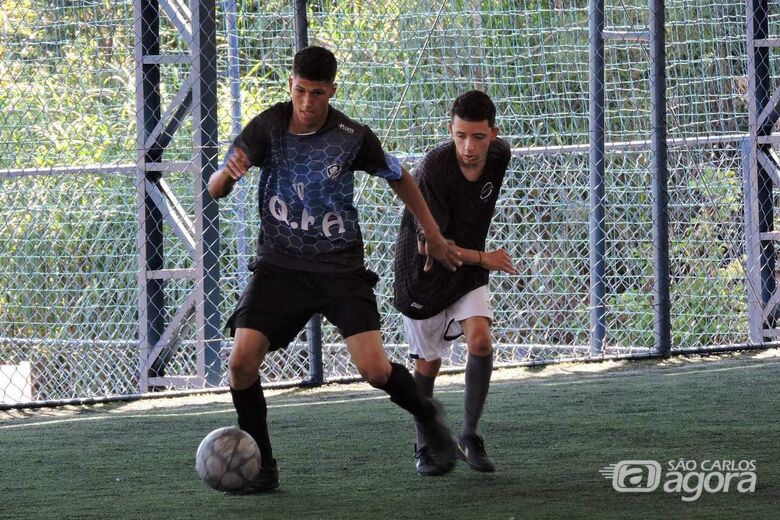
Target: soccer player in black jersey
pixel 310 249
pixel 460 180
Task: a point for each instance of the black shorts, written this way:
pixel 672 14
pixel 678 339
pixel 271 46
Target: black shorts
pixel 278 302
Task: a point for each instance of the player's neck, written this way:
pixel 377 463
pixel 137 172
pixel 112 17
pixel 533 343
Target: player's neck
pixel 297 127
pixel 472 172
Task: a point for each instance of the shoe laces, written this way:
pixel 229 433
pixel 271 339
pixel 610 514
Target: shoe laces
pixel 424 455
pixel 480 444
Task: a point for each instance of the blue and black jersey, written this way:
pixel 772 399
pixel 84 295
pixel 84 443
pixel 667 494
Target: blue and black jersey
pixel 306 188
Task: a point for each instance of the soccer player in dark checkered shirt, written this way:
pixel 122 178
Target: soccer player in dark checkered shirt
pixel 310 249
pixel 460 180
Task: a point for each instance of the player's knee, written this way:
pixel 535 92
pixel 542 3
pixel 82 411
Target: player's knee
pixel 236 364
pixel 480 345
pixel 248 352
pixel 428 368
pixel 375 376
pixel 243 368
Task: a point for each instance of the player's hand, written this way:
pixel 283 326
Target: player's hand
pixel 498 260
pixel 237 164
pixel 442 250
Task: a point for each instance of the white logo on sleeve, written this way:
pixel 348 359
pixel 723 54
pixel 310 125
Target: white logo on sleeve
pixel 346 129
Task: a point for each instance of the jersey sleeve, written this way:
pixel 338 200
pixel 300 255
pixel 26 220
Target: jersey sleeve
pixel 501 152
pixel 255 139
pixel 372 159
pixel 433 189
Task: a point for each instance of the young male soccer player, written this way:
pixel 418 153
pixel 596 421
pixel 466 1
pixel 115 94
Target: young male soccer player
pixel 460 180
pixel 310 249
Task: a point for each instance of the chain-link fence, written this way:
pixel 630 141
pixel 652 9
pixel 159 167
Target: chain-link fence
pixel 71 296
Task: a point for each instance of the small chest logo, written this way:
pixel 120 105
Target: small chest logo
pixel 334 170
pixel 487 190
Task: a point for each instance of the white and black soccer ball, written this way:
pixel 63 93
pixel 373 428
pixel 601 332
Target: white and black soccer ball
pixel 227 459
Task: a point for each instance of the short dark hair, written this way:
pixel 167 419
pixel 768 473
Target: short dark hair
pixel 315 64
pixel 474 106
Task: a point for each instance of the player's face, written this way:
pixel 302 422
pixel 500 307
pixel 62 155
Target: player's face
pixel 472 139
pixel 310 103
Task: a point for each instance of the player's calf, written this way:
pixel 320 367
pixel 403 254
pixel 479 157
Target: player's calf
pixel 442 446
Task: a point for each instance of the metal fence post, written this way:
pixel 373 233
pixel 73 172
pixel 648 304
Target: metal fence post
pixel 598 235
pixel 234 77
pixel 151 319
pixel 661 299
pixel 204 111
pixel 314 327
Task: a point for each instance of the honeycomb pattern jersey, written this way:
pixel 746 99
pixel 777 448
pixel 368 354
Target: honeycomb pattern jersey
pixel 305 195
pixel 463 210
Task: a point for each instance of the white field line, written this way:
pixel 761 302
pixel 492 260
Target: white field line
pixel 584 378
pixel 152 414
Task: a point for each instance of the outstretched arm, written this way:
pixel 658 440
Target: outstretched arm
pixel 222 181
pixel 437 247
pixel 498 260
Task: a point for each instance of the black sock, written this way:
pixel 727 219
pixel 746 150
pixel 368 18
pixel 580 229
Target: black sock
pixel 425 386
pixel 252 411
pixel 478 371
pixel 403 392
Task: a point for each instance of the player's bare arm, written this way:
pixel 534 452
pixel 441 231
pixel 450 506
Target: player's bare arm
pixel 436 246
pixel 496 260
pixel 222 181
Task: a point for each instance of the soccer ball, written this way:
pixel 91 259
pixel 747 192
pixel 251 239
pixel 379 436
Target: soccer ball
pixel 227 459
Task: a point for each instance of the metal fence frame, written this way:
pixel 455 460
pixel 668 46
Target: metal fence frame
pixel 157 202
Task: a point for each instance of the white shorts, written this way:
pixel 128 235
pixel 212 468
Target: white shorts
pixel 431 338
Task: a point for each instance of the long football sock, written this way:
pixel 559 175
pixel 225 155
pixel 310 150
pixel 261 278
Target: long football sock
pixel 425 386
pixel 478 371
pixel 252 414
pixel 403 391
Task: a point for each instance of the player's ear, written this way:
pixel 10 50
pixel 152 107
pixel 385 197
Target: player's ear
pixel 289 83
pixel 493 133
pixel 333 88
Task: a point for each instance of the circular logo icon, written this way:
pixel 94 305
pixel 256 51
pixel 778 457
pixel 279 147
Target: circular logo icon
pixel 334 170
pixel 487 190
